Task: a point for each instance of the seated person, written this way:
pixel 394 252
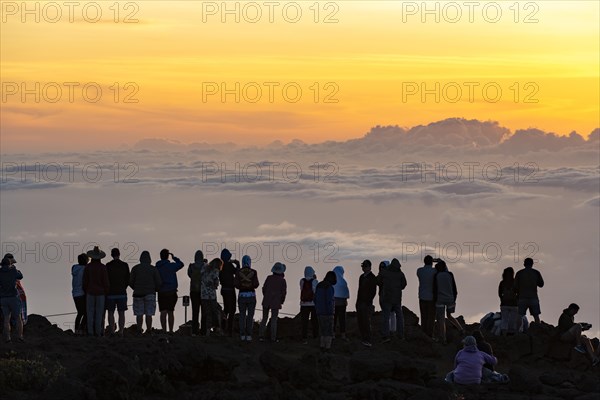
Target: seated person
pixel 570 332
pixel 468 364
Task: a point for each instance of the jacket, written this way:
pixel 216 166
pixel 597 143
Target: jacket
pixel 227 275
pixel 468 365
pixel 392 282
pixel 118 277
pixel 77 281
pixel 340 289
pixel 246 276
pixel 274 291
pixel 508 294
pixel 527 280
pixel 95 279
pixel 144 279
pixel 565 321
pixel 8 281
pixel 168 274
pixel 444 288
pixel 324 299
pixel 426 275
pixel 367 288
pixel 209 282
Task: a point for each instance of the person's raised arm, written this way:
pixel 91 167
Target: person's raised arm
pixel 19 275
pixel 178 263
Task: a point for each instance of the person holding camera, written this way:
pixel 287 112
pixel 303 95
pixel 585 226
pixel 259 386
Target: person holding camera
pixel 9 298
pixel 167 293
pixel 570 332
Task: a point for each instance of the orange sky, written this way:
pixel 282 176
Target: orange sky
pixel 365 62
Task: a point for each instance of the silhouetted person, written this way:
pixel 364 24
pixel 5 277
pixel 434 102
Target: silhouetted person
pixel 445 294
pixel 79 294
pixel 509 301
pixel 167 293
pixel 308 286
pixel 9 298
pixel 21 295
pixel 118 278
pixel 426 303
pixel 527 280
pixel 325 308
pixel 274 291
pixel 96 287
pixel 246 281
pixel 195 273
pixel 383 266
pixel 570 332
pixel 145 282
pixel 226 277
pixel 486 347
pixel 367 289
pixel 468 364
pixel 341 294
pixel 209 282
pixel 393 282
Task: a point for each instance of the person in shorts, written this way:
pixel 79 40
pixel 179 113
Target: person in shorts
pixel 118 279
pixel 527 280
pixel 167 293
pixel 145 282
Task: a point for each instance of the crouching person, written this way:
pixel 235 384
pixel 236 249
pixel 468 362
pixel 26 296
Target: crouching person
pixel 468 364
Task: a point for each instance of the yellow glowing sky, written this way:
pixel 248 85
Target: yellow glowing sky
pixel 370 54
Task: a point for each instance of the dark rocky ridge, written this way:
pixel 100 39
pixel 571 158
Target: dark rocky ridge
pixel 54 364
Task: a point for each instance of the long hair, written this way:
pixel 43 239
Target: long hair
pixel 508 275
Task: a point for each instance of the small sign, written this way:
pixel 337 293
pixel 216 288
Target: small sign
pixel 186 301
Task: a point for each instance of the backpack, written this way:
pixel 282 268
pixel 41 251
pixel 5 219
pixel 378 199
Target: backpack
pixel 246 276
pixel 196 283
pixel 307 294
pixel 508 293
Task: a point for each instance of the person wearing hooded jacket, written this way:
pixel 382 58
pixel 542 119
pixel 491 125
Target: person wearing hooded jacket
pixel 194 271
pixel 246 281
pixel 341 294
pixel 383 266
pixel 209 282
pixel 367 288
pixel 308 285
pixel 145 282
pixel 392 281
pixel 468 364
pixel 325 309
pixel 226 278
pixel 274 292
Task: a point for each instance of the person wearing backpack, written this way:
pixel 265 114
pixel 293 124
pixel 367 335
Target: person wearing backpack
pixel 509 303
pixel 308 286
pixel 246 281
pixel 195 273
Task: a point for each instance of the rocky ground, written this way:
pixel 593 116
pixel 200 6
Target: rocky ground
pixel 54 364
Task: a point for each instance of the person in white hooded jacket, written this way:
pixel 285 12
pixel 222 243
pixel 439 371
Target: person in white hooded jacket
pixel 341 294
pixel 308 286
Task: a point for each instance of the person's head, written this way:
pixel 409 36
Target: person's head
pixel 164 254
pixel 5 262
pixel 366 266
pixel 199 257
pixel 440 266
pixel 145 257
pixel 508 274
pixel 10 258
pixel 395 264
pixel 115 253
pixel 428 260
pixel 309 272
pixel 246 261
pixel 225 255
pixel 82 259
pixel 469 341
pixel 383 265
pixel 528 262
pixel 96 254
pixel 216 263
pixel 573 309
pixel 278 268
pixel 331 277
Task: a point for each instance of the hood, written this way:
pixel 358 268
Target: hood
pixel 145 257
pixel 471 349
pixel 309 272
pixel 225 255
pixel 394 265
pixel 199 257
pixel 339 271
pixel 246 261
